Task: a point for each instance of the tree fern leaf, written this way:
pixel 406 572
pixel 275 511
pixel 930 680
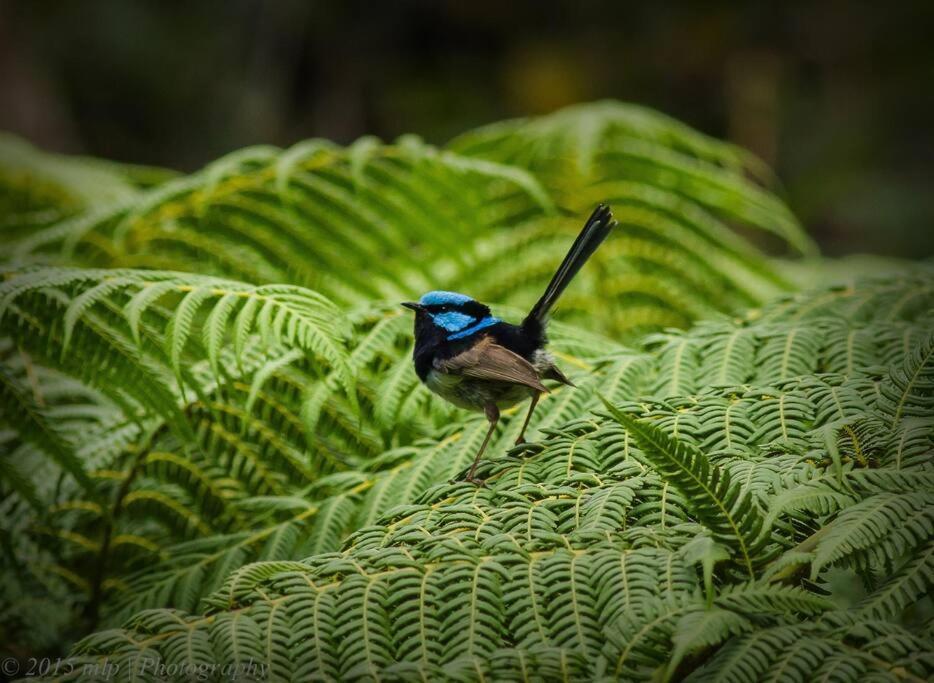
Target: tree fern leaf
pixel 750 657
pixel 705 551
pixel 753 598
pixel 263 374
pixel 910 443
pixel 789 352
pixel 728 355
pixel 140 302
pixel 472 597
pixel 870 521
pixel 362 625
pixel 819 495
pixel 80 304
pixel 641 637
pixel 19 481
pixel 572 603
pixel 908 392
pixel 179 327
pixel 908 585
pixel 730 515
pixel 243 325
pixel 678 367
pixel 238 639
pixel 514 175
pixel 20 409
pixel 291 158
pixel 703 629
pixel 313 615
pixel 275 623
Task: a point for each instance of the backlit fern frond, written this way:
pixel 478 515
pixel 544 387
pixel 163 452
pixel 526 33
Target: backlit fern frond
pixel 313 215
pixel 595 145
pixel 228 310
pixel 387 221
pixel 38 189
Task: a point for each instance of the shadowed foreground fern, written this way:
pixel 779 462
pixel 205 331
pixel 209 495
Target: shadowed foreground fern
pixel 216 450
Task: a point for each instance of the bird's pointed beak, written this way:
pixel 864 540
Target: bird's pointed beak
pixel 414 305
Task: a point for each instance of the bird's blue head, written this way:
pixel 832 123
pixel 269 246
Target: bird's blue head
pixel 457 316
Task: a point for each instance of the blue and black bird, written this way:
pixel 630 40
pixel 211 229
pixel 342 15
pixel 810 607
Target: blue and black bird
pixel 479 362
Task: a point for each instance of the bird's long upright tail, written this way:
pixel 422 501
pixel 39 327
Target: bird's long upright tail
pixel 595 230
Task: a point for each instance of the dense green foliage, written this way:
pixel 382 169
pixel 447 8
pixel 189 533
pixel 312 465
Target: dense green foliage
pixel 215 448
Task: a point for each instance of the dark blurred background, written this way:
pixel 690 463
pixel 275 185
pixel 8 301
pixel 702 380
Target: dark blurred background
pixel 837 96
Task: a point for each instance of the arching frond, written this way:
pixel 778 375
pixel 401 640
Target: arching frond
pixel 582 145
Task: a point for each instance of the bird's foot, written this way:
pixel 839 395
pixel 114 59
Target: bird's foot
pixel 524 449
pixel 476 481
pixel 467 476
pixel 520 440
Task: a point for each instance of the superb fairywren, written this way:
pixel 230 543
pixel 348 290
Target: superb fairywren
pixel 478 362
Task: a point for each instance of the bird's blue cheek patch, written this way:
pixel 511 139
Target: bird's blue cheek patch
pixel 452 321
pixel 476 327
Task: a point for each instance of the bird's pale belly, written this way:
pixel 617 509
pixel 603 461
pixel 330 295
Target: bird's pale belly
pixel 474 394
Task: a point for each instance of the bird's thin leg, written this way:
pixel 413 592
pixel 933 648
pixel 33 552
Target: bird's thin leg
pixel 521 438
pixel 492 414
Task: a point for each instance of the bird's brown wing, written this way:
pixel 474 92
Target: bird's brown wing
pixel 490 361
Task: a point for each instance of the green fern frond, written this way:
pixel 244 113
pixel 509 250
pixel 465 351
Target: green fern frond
pixel 582 144
pixel 719 504
pixel 905 587
pixel 272 484
pixel 910 389
pixel 253 215
pixel 278 313
pixel 21 409
pixel 38 189
pixel 887 524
